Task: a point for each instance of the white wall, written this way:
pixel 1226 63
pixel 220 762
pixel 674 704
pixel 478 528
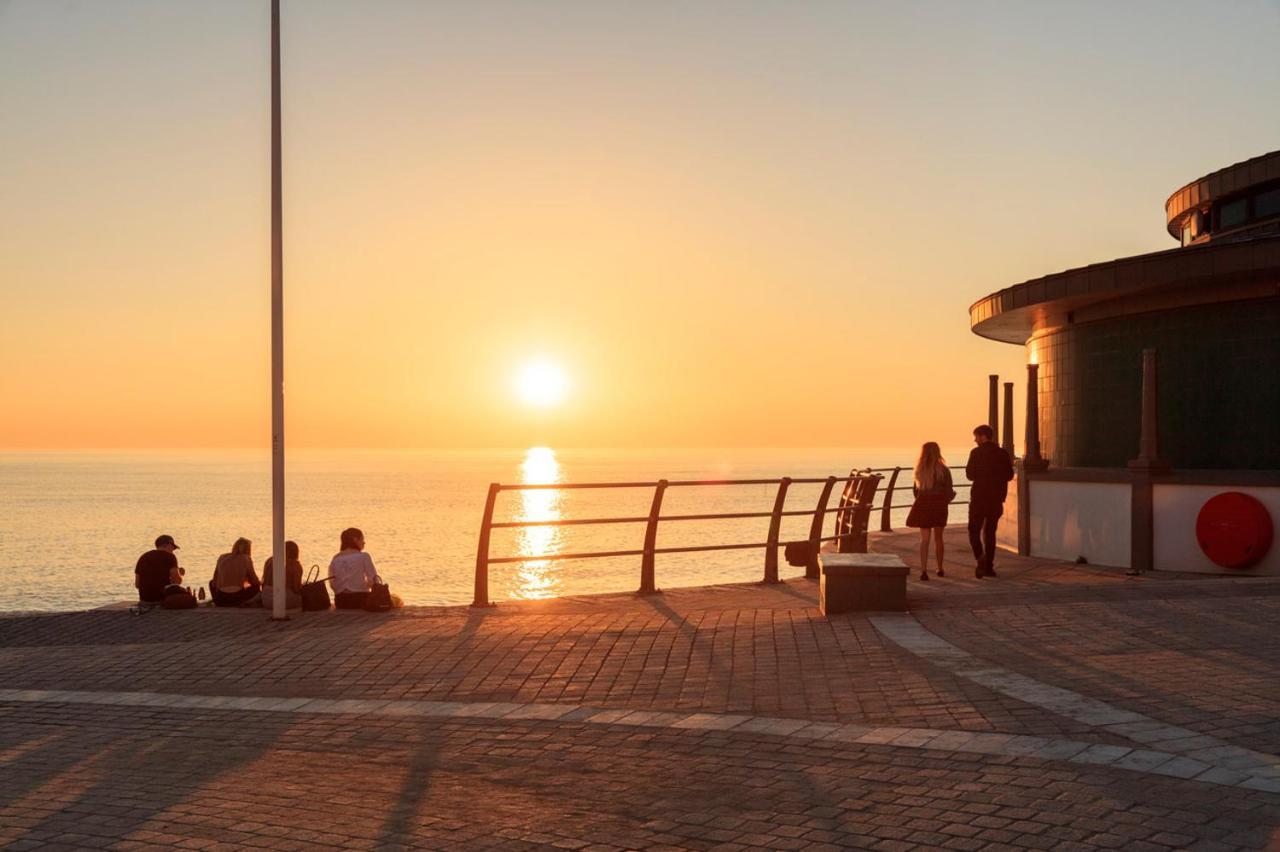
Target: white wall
pixel 1089 519
pixel 1007 531
pixel 1176 509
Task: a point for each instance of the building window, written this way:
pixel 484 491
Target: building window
pixel 1233 213
pixel 1267 204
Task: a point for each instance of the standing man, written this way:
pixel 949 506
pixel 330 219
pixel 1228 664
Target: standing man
pixel 990 470
pixel 155 570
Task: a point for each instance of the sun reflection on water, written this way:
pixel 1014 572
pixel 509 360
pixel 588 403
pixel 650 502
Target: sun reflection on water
pixel 537 578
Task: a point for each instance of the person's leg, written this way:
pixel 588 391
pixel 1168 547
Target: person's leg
pixel 975 538
pixel 924 553
pixel 938 548
pixel 350 600
pixel 243 597
pixel 989 541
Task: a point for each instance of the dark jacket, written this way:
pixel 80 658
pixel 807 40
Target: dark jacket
pixel 990 470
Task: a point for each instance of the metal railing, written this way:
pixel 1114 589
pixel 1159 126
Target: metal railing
pixel 886 522
pixel 852 512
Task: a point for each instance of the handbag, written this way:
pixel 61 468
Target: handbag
pixel 315 592
pixel 379 599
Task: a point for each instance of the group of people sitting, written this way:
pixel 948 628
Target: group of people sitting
pixel 235 583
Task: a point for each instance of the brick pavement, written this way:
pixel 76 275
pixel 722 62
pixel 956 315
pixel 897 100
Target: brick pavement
pixel 1183 651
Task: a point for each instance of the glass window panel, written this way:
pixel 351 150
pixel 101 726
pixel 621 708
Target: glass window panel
pixel 1267 204
pixel 1233 213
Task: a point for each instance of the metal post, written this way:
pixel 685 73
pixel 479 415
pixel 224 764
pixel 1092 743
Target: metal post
pixel 885 521
pixel 647 584
pixel 1008 419
pixel 815 528
pixel 1149 438
pixel 278 558
pixel 482 550
pixel 775 527
pixel 993 400
pixel 856 528
pixel 1033 461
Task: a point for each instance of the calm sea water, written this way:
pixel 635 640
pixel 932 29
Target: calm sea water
pixel 72 524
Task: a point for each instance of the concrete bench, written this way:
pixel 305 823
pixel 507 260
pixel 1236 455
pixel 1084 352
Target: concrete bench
pixel 862 581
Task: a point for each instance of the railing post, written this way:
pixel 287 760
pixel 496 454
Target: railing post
pixel 886 525
pixel 647 584
pixel 482 550
pixel 815 529
pixel 775 526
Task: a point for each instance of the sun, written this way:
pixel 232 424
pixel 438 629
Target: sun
pixel 542 383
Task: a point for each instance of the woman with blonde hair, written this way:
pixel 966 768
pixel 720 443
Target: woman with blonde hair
pixel 234 582
pixel 933 492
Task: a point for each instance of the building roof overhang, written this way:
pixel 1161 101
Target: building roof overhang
pixel 1012 315
pixel 1233 179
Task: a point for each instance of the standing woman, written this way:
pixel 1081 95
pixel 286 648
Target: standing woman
pixel 933 492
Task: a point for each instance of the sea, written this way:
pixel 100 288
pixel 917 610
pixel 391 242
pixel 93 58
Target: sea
pixel 72 524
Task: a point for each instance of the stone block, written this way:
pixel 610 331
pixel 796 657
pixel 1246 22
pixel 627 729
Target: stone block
pixel 862 582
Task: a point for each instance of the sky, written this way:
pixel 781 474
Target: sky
pixel 729 223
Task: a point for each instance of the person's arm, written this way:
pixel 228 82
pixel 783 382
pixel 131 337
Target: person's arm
pixel 252 574
pixel 1008 467
pixel 370 573
pixel 970 468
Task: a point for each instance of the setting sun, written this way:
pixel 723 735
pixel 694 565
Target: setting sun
pixel 542 383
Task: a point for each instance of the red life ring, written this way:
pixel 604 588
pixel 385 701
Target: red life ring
pixel 1234 529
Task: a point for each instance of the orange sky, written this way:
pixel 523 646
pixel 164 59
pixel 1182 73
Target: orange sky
pixel 736 224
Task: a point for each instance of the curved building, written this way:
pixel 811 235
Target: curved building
pixel 1210 310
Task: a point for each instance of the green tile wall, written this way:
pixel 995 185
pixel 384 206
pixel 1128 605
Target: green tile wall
pixel 1219 376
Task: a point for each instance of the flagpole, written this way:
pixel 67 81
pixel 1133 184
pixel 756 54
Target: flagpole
pixel 278 558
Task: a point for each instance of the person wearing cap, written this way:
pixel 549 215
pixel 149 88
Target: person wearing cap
pixel 155 570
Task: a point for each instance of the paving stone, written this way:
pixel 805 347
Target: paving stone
pixel 617 722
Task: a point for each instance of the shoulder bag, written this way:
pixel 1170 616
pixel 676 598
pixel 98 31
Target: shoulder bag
pixel 315 592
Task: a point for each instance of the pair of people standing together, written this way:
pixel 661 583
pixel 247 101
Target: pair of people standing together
pixel 989 470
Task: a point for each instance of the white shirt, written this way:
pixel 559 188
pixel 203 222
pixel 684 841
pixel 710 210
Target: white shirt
pixel 352 571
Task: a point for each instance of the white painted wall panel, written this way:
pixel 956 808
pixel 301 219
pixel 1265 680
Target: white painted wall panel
pixel 1089 519
pixel 1176 509
pixel 1007 532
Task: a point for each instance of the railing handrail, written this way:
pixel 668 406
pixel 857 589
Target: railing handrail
pixel 641 519
pixel 849 501
pixel 672 483
pixel 684 483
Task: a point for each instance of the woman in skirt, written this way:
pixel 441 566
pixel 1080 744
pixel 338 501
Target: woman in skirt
pixel 934 493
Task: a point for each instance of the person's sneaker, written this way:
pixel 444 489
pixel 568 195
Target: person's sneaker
pixel 978 571
pixel 941 573
pixel 991 572
pixel 924 575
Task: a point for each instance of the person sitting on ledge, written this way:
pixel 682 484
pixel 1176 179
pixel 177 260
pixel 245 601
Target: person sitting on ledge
pixel 292 579
pixel 155 570
pixel 234 582
pixel 353 572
